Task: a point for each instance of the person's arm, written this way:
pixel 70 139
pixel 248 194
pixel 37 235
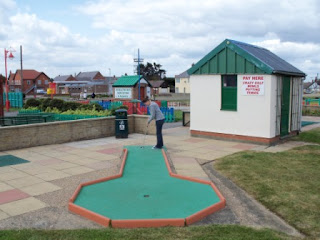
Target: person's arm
pixel 152 113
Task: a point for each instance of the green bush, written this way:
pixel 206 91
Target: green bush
pixel 71 106
pixel 57 103
pixel 87 112
pixel 32 102
pixel 45 103
pixel 113 110
pixel 97 106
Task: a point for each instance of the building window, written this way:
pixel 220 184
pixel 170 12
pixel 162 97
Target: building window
pixel 177 90
pixel 46 82
pixel 178 80
pixel 229 92
pixel 39 82
pixel 28 82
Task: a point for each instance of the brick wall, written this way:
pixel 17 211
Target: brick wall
pixel 33 135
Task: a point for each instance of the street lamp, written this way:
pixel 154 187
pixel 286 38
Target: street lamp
pixel 5 64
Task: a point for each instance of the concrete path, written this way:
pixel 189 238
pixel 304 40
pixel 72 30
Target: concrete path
pixel 35 194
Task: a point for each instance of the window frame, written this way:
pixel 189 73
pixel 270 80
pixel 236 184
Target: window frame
pixel 229 90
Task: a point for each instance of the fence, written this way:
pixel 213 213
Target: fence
pixel 133 108
pixel 54 116
pixel 108 104
pixel 26 119
pixel 178 104
pixel 15 99
pixel 139 108
pixel 311 102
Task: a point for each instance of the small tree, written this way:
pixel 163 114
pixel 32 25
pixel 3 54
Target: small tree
pixel 152 71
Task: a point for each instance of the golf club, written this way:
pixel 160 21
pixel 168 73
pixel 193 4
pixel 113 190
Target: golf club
pixel 144 138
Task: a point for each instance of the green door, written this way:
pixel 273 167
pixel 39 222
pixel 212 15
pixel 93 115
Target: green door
pixel 285 106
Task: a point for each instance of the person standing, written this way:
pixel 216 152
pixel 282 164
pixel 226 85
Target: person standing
pixel 155 114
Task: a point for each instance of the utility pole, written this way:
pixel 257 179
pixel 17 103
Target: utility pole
pixel 138 60
pixel 21 66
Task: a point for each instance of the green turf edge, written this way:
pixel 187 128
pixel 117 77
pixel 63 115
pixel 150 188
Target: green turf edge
pixel 221 232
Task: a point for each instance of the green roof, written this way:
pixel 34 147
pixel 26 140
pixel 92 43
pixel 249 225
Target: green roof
pixel 233 57
pixel 126 81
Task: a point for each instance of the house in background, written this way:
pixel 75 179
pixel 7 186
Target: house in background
pixel 312 87
pixel 127 87
pixel 159 87
pixel 182 83
pixel 97 83
pixel 64 78
pixel 32 81
pixel 62 81
pixel 246 93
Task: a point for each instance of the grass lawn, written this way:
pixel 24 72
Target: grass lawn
pixel 288 183
pixel 177 115
pixel 221 232
pixel 312 136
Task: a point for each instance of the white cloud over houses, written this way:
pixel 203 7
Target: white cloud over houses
pixel 172 33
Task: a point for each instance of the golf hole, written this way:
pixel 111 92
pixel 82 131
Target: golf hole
pixel 146 196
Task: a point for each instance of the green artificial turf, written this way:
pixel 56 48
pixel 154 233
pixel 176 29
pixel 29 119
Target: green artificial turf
pixel 146 191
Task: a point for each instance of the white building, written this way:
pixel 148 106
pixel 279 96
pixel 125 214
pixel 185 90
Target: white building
pixel 244 92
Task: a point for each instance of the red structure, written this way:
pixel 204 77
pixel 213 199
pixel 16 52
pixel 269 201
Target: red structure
pixel 5 64
pixel 2 79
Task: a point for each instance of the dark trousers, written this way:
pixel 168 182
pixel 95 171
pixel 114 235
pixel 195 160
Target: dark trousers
pixel 159 125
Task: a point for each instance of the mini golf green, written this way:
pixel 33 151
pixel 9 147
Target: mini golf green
pixel 146 191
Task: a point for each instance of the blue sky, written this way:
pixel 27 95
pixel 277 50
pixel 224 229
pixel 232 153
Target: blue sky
pixel 66 37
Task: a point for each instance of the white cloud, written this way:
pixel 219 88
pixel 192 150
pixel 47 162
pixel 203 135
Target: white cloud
pixel 173 33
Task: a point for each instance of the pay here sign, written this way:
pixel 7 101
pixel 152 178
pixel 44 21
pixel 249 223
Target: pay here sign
pixel 252 85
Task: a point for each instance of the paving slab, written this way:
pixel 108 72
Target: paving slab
pixel 40 188
pixel 12 175
pixel 11 196
pixel 22 206
pixel 52 175
pixel 5 187
pixel 24 181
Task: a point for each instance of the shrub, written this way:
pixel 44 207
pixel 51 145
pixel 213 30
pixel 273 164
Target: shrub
pixel 32 102
pixel 57 103
pixel 96 106
pixel 52 110
pixel 113 110
pixel 92 106
pixel 45 103
pixel 71 106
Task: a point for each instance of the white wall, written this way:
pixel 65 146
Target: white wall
pixel 255 115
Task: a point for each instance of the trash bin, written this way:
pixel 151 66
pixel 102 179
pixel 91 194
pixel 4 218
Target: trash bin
pixel 121 123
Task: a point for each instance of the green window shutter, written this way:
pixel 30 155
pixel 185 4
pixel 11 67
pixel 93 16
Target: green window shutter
pixel 228 97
